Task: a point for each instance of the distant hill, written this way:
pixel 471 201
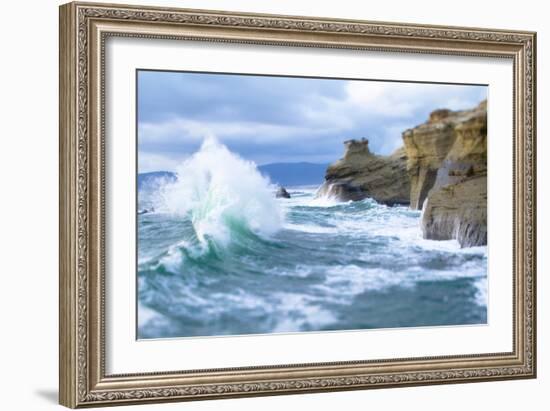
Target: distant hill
pixel 284 174
pixel 295 174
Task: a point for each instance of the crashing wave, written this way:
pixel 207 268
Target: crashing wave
pixel 222 195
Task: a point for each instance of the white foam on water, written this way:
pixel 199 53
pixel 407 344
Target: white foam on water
pixel 146 315
pixel 397 222
pixel 172 260
pixel 481 296
pixel 298 198
pixel 326 202
pixel 310 228
pixel 468 269
pixel 299 311
pixel 344 282
pixel 300 271
pixel 238 299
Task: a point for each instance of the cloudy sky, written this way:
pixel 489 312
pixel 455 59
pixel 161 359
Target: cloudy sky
pixel 280 119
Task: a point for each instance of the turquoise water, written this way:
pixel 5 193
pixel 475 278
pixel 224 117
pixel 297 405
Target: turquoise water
pixel 346 266
pixel 207 266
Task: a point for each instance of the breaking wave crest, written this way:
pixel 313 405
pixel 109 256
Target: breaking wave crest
pixel 224 197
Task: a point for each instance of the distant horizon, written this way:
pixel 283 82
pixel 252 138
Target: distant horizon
pixel 282 174
pixel 258 165
pixel 277 119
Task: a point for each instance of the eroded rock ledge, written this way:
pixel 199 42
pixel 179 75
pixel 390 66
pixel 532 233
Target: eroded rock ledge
pixel 456 203
pixel 360 174
pixel 442 168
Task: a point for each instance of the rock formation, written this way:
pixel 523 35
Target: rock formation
pixel 442 168
pixel 361 174
pixel 426 147
pixel 447 165
pixel 282 193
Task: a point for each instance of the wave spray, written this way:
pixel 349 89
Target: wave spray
pixel 223 195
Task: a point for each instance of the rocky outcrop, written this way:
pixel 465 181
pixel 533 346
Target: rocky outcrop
pixel 282 193
pixel 441 168
pixel 457 211
pixel 447 164
pixel 426 146
pixel 360 174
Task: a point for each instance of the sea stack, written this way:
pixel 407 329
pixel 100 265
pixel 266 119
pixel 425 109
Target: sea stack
pixel 447 166
pixel 360 174
pixel 282 193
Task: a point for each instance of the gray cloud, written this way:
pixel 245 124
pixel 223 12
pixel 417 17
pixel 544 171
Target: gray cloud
pixel 280 119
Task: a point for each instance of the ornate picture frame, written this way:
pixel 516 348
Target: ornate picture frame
pixel 84 30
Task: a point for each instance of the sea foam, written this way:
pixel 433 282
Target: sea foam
pixel 220 193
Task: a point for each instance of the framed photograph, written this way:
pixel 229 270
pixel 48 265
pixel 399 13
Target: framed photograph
pixel 260 205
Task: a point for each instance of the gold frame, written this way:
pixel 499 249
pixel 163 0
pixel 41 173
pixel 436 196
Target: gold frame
pixel 84 27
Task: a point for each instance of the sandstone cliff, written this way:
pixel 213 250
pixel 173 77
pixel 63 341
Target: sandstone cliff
pixel 441 168
pixel 447 165
pixel 360 174
pixel 426 147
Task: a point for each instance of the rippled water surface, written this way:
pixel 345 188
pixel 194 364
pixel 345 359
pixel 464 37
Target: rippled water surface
pixel 214 260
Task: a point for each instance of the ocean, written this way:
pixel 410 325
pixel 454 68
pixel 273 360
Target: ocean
pixel 218 254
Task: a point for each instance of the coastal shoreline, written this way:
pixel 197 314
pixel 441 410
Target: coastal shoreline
pixel 441 169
